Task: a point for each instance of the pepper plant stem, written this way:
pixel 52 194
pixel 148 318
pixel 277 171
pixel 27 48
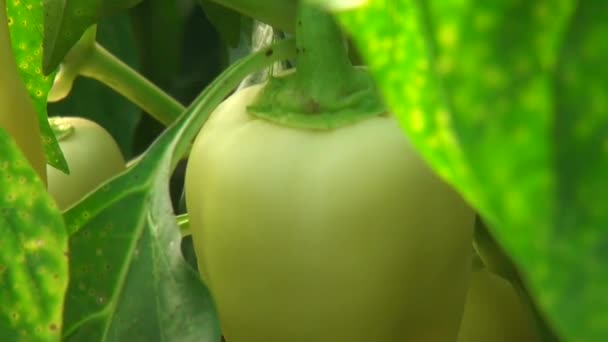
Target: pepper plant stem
pixel 324 68
pixel 221 87
pixel 17 112
pixel 103 66
pixel 326 91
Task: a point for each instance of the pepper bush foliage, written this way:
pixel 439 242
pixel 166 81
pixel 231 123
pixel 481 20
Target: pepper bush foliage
pixel 507 100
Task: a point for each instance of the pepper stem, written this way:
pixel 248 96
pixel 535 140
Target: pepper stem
pixel 89 59
pixel 106 68
pixel 326 91
pixel 324 68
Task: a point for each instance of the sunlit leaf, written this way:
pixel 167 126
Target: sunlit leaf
pixel 25 24
pixel 33 249
pixel 339 5
pixel 508 101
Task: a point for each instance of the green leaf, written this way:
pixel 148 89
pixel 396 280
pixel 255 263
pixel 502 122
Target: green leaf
pixel 226 21
pixel 507 101
pixel 339 5
pixel 65 22
pixel 159 23
pixel 33 249
pixel 495 259
pixel 280 14
pixel 93 100
pixel 128 277
pixel 25 25
pixel 573 276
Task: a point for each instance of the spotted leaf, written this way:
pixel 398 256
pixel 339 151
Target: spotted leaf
pixel 33 249
pixel 25 24
pixel 507 100
pixel 128 277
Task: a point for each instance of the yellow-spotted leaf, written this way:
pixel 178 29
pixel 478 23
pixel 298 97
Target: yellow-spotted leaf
pixel 25 25
pixel 33 252
pixel 508 101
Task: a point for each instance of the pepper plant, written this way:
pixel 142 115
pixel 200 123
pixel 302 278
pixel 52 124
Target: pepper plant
pixel 377 170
